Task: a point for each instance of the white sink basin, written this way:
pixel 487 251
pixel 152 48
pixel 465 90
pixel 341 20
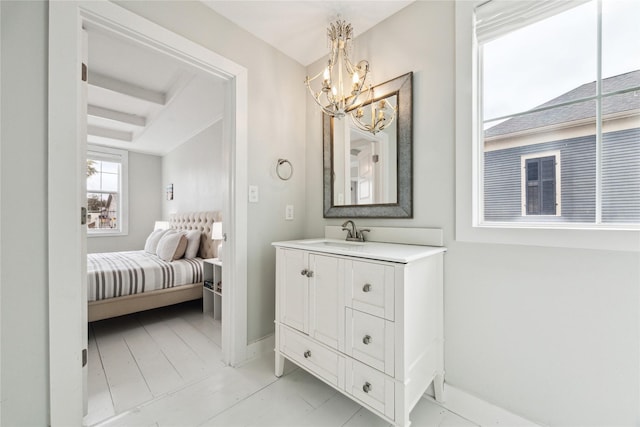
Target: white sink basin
pixel 334 243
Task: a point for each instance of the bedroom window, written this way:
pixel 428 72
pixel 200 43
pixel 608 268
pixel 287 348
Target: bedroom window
pixel 107 176
pixel 561 77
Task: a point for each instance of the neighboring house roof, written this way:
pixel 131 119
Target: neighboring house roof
pixel 579 111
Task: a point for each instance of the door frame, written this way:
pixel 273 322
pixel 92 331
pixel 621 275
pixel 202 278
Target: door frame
pixel 66 255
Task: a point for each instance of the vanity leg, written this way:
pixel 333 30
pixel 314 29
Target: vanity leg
pixel 279 364
pixel 438 386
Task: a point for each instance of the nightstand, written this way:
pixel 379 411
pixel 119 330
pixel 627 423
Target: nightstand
pixel 212 292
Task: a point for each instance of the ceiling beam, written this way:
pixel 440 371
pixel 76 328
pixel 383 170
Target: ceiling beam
pixel 110 133
pixel 115 85
pixel 116 116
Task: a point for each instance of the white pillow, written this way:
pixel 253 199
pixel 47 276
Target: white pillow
pixel 151 245
pixel 171 246
pixel 193 243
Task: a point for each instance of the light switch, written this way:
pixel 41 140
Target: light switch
pixel 253 194
pixel 288 213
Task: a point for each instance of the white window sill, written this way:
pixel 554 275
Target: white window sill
pixel 531 224
pixel 579 236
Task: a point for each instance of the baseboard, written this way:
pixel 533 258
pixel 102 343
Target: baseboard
pixel 261 346
pixel 479 411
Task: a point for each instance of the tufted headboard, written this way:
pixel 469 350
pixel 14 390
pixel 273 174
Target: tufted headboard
pixel 202 221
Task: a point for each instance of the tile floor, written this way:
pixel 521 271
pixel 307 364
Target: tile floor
pixel 162 368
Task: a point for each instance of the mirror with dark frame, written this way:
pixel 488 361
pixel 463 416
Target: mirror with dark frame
pixel 370 175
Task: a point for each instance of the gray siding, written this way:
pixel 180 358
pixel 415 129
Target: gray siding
pixel 621 179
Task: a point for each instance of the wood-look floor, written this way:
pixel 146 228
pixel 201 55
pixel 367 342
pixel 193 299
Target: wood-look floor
pixel 162 368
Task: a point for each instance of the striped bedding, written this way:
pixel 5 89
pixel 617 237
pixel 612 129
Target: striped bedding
pixel 115 274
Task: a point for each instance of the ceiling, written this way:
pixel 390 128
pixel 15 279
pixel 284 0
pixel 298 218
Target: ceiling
pixel 144 101
pixel 298 28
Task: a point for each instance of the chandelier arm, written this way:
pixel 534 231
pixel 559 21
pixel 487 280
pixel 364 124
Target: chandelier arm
pixel 326 110
pixel 360 125
pixel 387 124
pixel 309 80
pixel 352 104
pixel 365 96
pixel 377 124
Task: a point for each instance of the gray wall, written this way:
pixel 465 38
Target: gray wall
pixel 145 205
pixel 276 130
pixel 538 331
pixel 23 247
pixel 195 169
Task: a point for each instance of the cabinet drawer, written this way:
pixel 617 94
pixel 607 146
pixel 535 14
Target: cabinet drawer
pixel 312 356
pixel 370 339
pixel 371 387
pixel 370 288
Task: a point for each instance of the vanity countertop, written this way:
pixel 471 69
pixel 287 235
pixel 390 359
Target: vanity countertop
pixel 370 250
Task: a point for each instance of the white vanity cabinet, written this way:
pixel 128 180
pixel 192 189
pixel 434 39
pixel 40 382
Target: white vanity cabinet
pixel 366 319
pixel 311 295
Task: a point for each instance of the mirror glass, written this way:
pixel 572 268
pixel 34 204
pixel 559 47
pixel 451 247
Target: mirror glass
pixel 367 175
pixel 365 165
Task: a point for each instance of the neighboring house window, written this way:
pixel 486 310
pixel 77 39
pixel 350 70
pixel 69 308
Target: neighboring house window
pixel 107 176
pixel 539 185
pixel 543 88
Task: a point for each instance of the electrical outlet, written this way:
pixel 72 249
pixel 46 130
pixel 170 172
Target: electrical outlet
pixel 288 213
pixel 253 194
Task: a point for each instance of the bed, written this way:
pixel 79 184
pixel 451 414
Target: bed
pixel 120 283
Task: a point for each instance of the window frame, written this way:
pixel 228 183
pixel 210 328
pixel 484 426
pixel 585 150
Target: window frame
pixel 557 183
pixel 469 172
pixel 97 152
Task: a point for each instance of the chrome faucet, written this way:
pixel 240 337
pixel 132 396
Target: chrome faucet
pixel 353 234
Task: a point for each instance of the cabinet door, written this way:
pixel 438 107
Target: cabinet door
pixel 293 289
pixel 370 288
pixel 326 300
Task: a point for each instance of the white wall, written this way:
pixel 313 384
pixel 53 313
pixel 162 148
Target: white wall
pixel 549 334
pixel 145 205
pixel 276 130
pixel 196 171
pixel 23 248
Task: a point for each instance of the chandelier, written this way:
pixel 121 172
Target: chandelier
pixel 356 97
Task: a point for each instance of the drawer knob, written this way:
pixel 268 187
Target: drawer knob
pixel 307 354
pixel 304 272
pixel 366 387
pixel 366 339
pixel 366 288
pixel 309 273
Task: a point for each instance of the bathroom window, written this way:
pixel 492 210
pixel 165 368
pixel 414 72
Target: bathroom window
pixel 543 88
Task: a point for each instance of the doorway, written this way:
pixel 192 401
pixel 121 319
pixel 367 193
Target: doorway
pixel 66 252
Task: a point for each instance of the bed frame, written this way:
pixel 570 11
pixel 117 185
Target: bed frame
pixel 112 307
